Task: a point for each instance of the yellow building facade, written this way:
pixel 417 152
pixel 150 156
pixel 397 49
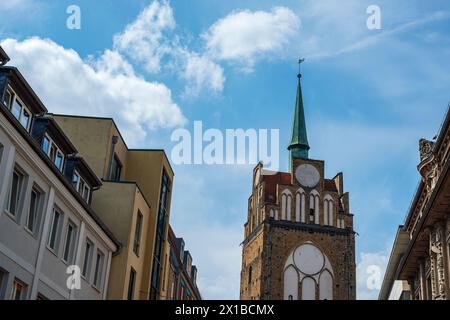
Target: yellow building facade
pixel 134 202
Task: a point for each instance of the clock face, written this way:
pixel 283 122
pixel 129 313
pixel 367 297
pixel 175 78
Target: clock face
pixel 309 259
pixel 307 175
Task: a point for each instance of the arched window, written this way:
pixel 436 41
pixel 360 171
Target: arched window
pixel 314 207
pixel 283 206
pixel 308 274
pixel 286 205
pixel 326 286
pixel 308 289
pixel 250 271
pixel 328 210
pixel 290 283
pixel 271 213
pixel 300 206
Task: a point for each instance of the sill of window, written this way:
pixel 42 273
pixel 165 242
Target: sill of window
pixel 96 289
pixel 65 262
pixel 31 233
pixel 52 251
pixel 11 216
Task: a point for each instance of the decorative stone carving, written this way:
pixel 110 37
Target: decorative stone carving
pixel 425 149
pixel 437 263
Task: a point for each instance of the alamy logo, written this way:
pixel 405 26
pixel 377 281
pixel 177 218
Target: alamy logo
pixel 74 280
pixel 235 146
pixel 374 20
pixel 73 22
pixel 374 278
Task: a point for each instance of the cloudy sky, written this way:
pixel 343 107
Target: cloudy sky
pixel 160 65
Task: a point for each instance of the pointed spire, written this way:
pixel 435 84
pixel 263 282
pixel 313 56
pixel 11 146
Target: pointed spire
pixel 299 142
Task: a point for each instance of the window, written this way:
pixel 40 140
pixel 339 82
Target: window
pixel 7 99
pixel 70 242
pixel 53 152
pixel 54 230
pixel 116 169
pixel 81 186
pixel 1 152
pixel 250 271
pixel 161 224
pixel 18 290
pixel 75 180
pixel 86 193
pixel 15 192
pixel 46 144
pixel 137 234
pixel 3 282
pixel 87 259
pixel 34 212
pixel 41 297
pixel 98 269
pixel 17 108
pixel 131 284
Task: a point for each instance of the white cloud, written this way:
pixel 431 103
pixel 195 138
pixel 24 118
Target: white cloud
pixel 201 72
pixel 149 40
pixel 243 37
pixel 144 39
pixel 104 87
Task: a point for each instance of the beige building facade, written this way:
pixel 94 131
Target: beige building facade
pixel 134 202
pixel 420 256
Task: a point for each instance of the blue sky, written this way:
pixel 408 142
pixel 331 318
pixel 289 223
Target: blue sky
pixel 369 95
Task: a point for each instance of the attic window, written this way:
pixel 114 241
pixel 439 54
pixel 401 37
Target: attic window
pixel 81 186
pixel 53 152
pixel 17 108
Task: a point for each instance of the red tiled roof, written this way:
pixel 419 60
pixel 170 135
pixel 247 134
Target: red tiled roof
pixel 271 184
pixel 329 185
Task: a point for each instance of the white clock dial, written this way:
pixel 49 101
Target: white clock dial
pixel 309 259
pixel 307 175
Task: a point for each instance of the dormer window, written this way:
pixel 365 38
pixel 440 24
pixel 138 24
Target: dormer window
pixel 81 186
pixel 53 152
pixel 17 108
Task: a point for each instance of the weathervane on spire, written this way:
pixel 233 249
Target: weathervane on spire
pixel 300 61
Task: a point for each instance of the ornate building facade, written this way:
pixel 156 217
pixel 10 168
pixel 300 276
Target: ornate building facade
pixel 299 242
pixel 421 251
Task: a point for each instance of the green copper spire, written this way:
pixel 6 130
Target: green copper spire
pixel 299 142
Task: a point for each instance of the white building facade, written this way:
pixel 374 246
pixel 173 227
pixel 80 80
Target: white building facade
pixel 52 244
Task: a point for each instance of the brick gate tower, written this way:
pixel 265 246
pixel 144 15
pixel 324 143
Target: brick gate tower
pixel 299 242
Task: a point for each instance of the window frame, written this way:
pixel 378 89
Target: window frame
pixel 81 186
pixel 73 240
pixel 14 98
pixel 116 171
pixel 57 237
pixel 131 284
pixel 57 151
pixel 3 283
pixel 98 276
pixel 87 259
pixel 138 233
pixel 22 293
pixel 20 193
pixel 39 207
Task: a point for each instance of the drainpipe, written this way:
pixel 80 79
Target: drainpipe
pixel 114 141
